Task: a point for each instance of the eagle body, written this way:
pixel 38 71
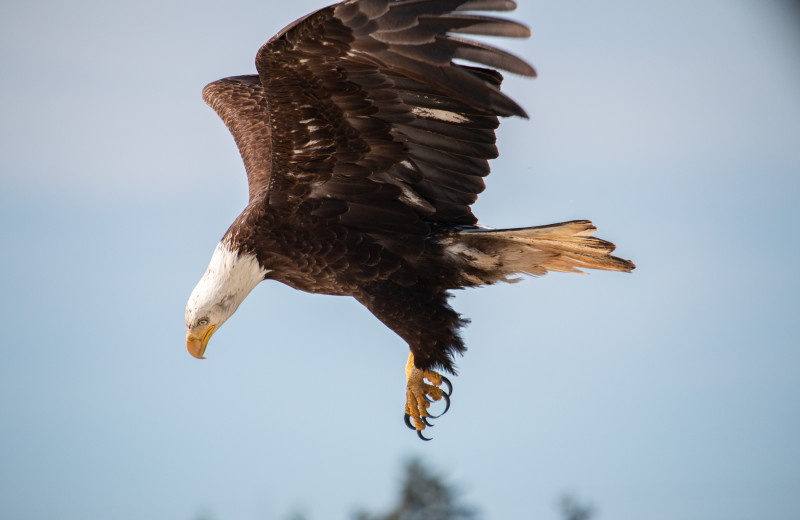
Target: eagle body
pixel 402 279
pixel 366 139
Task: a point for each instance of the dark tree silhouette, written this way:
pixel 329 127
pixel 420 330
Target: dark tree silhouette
pixel 425 496
pixel 297 515
pixel 571 509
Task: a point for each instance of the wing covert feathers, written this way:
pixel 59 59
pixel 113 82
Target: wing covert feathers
pixel 241 103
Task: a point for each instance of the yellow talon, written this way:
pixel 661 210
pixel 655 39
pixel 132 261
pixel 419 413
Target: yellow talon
pixel 419 393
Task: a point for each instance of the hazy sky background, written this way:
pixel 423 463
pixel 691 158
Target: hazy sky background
pixel 671 393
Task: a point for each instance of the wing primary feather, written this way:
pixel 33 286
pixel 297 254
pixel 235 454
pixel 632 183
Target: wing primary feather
pixel 487 5
pixel 428 27
pixel 488 55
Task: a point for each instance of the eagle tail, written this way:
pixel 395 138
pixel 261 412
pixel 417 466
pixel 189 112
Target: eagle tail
pixel 495 255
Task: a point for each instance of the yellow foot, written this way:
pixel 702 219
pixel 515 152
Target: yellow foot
pixel 420 395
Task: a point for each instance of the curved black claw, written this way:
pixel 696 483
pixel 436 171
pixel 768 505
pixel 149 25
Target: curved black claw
pixel 407 419
pixel 449 386
pixel 446 398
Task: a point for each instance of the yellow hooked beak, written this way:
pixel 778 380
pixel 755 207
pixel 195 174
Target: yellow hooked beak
pixel 196 342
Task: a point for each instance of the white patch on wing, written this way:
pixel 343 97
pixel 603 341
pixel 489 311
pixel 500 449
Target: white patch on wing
pixel 226 283
pixel 441 115
pixel 411 198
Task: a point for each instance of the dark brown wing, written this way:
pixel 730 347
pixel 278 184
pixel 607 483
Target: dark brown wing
pixel 371 121
pixel 242 105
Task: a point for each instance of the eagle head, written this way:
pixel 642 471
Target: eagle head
pixel 230 277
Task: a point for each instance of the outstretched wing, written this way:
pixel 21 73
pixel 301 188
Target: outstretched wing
pixel 370 120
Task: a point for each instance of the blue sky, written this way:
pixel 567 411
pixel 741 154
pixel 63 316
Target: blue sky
pixel 669 393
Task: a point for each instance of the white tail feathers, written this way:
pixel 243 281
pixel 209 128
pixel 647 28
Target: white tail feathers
pixel 499 255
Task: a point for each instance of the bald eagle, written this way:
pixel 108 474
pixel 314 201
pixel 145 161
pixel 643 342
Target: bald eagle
pixel 366 136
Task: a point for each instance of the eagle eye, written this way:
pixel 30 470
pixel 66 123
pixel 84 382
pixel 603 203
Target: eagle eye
pixel 203 321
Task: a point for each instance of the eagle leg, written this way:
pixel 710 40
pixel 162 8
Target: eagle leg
pixel 420 395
